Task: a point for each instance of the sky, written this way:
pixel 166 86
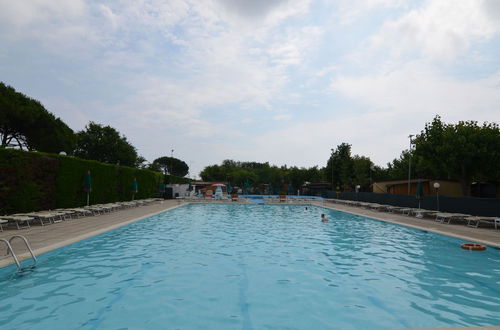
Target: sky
pixel 278 81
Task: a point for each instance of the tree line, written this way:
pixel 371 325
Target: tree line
pixel 25 124
pixel 466 152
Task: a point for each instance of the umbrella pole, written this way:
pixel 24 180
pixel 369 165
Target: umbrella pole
pixel 88 194
pixel 133 197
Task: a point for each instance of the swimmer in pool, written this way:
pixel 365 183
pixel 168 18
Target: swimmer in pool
pixel 323 218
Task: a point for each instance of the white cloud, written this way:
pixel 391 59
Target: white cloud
pixel 261 12
pixel 185 74
pixel 439 30
pixel 350 11
pixel 282 117
pixel 418 90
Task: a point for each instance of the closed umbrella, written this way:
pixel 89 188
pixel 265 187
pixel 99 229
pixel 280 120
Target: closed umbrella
pixel 229 188
pixel 290 189
pixel 87 185
pixel 246 186
pixel 162 187
pixel 134 188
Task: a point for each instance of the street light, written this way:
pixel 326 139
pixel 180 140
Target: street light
pixel 409 164
pixel 372 167
pixel 437 186
pixel 331 164
pixel 171 161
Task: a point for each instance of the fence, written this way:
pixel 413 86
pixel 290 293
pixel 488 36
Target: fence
pixel 467 205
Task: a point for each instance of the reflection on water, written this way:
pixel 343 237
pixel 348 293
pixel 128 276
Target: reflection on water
pixel 253 267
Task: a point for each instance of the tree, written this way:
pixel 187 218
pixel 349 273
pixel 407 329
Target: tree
pixel 254 173
pixel 361 167
pixel 26 124
pixel 104 144
pixel 170 165
pixel 465 152
pixel 339 168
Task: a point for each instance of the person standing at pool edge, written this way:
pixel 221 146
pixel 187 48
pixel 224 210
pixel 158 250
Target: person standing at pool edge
pixel 323 218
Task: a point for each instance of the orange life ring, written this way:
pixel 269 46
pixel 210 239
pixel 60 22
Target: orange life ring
pixel 473 247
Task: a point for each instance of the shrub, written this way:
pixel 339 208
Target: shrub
pixel 31 181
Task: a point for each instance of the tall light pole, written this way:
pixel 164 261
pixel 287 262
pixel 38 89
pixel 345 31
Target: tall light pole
pixel 171 161
pixel 372 168
pixel 437 186
pixel 331 164
pixel 409 165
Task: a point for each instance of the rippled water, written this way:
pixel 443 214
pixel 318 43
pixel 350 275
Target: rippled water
pixel 255 267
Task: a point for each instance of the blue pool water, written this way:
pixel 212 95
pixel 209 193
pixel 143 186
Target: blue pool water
pixel 255 267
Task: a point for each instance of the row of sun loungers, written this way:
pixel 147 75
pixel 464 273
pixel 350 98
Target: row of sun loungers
pixel 442 217
pixel 24 220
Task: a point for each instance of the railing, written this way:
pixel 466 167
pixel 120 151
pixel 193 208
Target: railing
pixel 11 250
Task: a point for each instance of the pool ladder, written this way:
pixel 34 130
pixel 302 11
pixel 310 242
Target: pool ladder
pixel 11 250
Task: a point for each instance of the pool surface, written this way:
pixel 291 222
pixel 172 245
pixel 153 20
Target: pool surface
pixel 250 266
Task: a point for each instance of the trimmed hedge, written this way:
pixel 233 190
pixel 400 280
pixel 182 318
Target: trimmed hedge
pixel 32 181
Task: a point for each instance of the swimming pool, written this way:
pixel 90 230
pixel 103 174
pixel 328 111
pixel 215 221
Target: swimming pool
pixel 253 267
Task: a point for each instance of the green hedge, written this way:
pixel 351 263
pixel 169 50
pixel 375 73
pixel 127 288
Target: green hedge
pixel 31 181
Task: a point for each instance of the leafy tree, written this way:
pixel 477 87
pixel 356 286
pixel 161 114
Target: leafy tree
pixel 104 144
pixel 254 173
pixel 26 124
pixel 339 168
pixel 362 172
pixel 170 165
pixel 465 152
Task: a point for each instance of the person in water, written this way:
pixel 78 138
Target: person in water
pixel 323 218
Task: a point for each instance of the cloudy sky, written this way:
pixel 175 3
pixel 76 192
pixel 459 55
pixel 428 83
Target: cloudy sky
pixel 282 81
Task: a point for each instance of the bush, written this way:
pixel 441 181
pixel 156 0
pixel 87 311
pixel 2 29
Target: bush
pixel 31 181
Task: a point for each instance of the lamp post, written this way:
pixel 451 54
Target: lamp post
pixel 437 186
pixel 331 164
pixel 371 170
pixel 409 165
pixel 357 192
pixel 171 161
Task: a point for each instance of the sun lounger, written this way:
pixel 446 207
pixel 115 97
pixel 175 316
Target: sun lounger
pixel 474 221
pixel 20 221
pixel 393 209
pixel 2 221
pixel 448 217
pixel 43 217
pixel 420 213
pixel 378 207
pixel 80 212
pixel 406 210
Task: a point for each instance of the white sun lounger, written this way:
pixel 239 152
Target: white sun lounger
pixel 2 221
pixel 21 221
pixel 475 220
pixel 448 217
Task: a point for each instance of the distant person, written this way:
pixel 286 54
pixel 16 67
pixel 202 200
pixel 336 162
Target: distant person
pixel 323 218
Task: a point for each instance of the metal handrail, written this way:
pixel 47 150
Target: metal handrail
pixel 27 245
pixel 9 249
